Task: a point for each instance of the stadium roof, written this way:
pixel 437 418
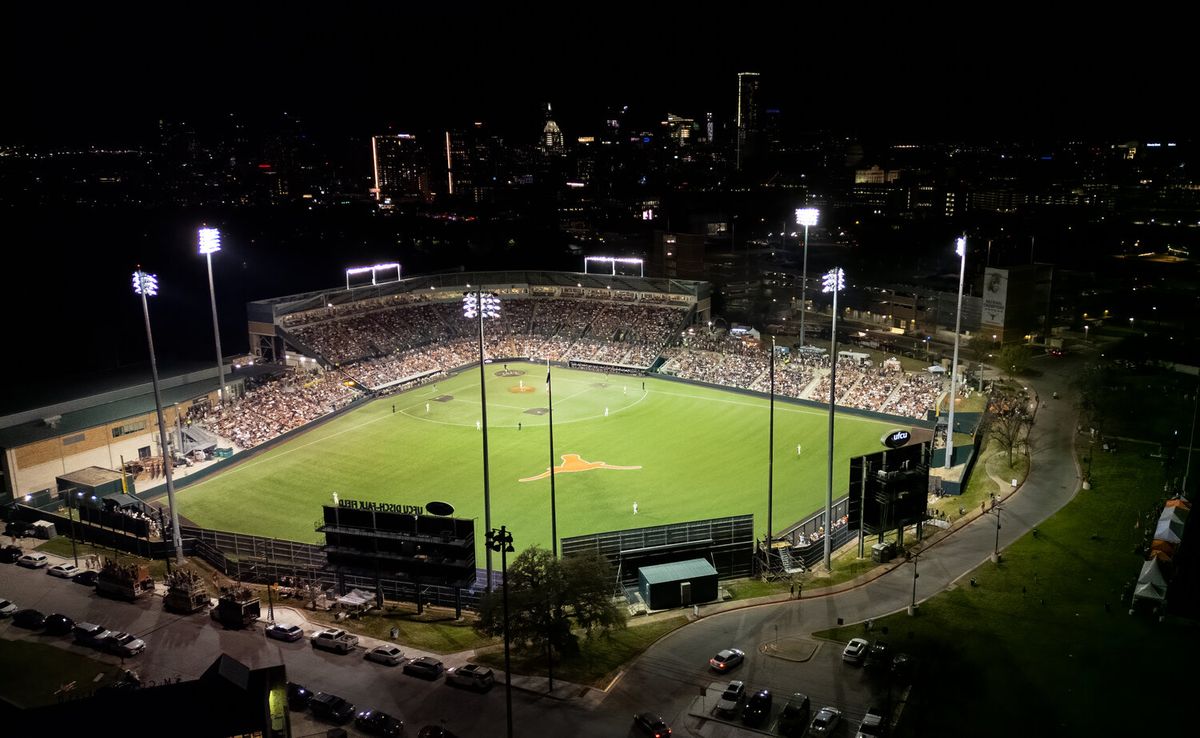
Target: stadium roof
pixel 80 406
pixel 266 310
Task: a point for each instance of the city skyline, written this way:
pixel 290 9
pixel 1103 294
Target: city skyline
pixel 912 74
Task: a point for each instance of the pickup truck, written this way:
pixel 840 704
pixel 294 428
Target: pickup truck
pixel 335 639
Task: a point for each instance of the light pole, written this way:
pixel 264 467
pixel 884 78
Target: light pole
pixel 146 285
pixel 553 507
pixel 501 540
pixel 960 248
pixel 480 305
pixel 996 548
pixel 834 281
pixel 771 459
pixel 210 243
pixel 805 217
pixel 1085 333
pixel 912 609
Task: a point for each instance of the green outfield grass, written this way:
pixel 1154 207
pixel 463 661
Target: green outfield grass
pixel 701 453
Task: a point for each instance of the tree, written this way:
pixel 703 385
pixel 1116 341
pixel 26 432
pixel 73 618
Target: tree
pixel 1008 430
pixel 1014 359
pixel 549 598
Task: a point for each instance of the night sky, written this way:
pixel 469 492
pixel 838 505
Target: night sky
pixel 103 72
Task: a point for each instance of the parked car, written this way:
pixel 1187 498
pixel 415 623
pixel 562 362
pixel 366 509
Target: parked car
pixel 826 720
pixel 281 632
pixel 873 724
pixel 731 698
pixel 87 578
pixel 29 618
pixel 33 560
pixel 435 731
pixel 855 650
pixel 90 634
pixel 298 696
pixel 331 707
pixel 902 666
pixel 758 708
pixel 474 676
pixel 385 654
pixel 794 718
pixel 7 608
pixel 19 528
pixel 123 644
pixel 425 666
pixel 335 639
pixel 57 624
pixel 651 724
pixel 65 571
pixel 375 722
pixel 726 660
pixel 10 554
pixel 879 656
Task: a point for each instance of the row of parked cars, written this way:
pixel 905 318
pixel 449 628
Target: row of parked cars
pixel 338 710
pixel 86 634
pixel 876 657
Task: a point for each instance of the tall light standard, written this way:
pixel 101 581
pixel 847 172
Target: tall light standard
pixel 146 285
pixel 996 548
pixel 501 540
pixel 553 506
pixel 912 609
pixel 805 217
pixel 483 305
pixel 210 243
pixel 960 248
pixel 834 281
pixel 771 460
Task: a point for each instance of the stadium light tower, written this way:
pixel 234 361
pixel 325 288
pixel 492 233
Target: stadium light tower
pixel 483 305
pixel 146 285
pixel 960 248
pixel 805 217
pixel 210 243
pixel 501 540
pixel 834 281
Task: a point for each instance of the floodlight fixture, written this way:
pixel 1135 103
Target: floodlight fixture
pixel 210 240
pixel 145 284
pixel 374 269
pixel 834 280
pixel 488 303
pixel 807 216
pixel 960 246
pixel 612 261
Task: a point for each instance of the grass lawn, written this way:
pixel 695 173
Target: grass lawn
pixel 434 630
pixel 61 546
pixel 1044 639
pixel 598 659
pixel 26 686
pixel 693 452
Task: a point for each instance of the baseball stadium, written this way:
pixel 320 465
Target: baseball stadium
pixel 651 416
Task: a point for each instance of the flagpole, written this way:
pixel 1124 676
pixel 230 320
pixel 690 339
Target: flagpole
pixel 553 510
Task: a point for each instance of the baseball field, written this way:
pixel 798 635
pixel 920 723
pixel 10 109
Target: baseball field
pixel 679 452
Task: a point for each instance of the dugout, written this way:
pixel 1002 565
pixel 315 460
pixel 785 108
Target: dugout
pixel 680 584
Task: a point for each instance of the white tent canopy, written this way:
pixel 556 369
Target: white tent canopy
pixel 935 369
pixel 1151 584
pixel 356 598
pixel 1170 526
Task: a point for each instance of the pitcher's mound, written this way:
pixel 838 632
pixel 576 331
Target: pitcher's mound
pixel 509 373
pixel 520 388
pixel 443 398
pixel 537 411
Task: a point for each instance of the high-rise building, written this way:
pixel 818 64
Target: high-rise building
pixel 708 129
pixel 679 129
pixel 552 136
pixel 747 116
pixel 470 169
pixel 399 168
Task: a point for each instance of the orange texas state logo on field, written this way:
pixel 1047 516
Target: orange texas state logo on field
pixel 573 463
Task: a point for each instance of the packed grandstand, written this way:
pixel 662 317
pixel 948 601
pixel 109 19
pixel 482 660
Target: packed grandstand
pixel 396 342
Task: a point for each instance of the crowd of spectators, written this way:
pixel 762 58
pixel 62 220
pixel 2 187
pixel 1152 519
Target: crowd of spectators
pixel 277 406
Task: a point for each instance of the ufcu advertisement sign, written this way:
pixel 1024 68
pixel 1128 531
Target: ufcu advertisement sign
pixel 896 438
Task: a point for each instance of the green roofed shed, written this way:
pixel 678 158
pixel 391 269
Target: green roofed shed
pixel 679 584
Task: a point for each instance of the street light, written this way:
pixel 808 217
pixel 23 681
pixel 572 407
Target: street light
pixel 996 548
pixel 501 540
pixel 210 242
pixel 805 217
pixel 912 609
pixel 483 305
pixel 146 285
pixel 960 248
pixel 834 281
